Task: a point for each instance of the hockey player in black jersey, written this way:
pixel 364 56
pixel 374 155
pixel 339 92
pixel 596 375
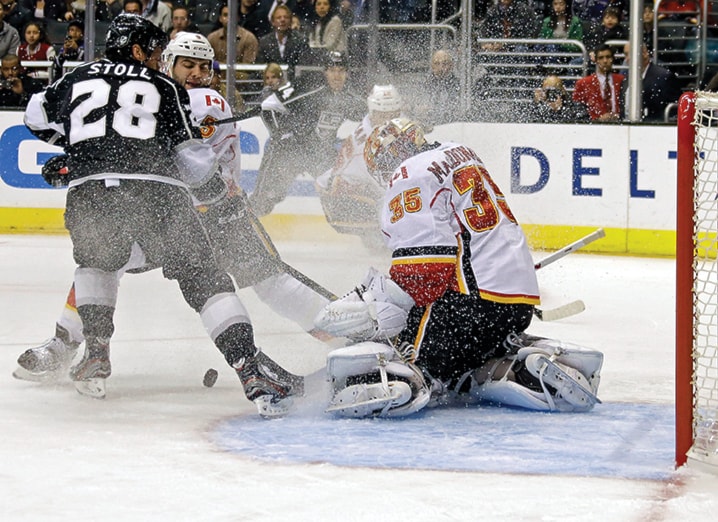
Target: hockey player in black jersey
pixel 133 155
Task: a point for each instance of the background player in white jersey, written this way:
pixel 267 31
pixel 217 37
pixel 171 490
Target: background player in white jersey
pixel 462 282
pixel 350 196
pixel 223 313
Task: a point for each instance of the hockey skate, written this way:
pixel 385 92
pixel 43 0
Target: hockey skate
pixel 49 361
pixel 90 373
pixel 570 384
pixel 269 386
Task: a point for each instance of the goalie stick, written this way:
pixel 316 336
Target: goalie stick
pixel 574 307
pixel 593 236
pixel 560 312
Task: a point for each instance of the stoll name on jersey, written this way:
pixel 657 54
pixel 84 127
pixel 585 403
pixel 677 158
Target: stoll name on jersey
pixel 120 69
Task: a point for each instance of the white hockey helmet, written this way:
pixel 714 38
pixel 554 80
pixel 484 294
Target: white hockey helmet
pixel 192 45
pixel 384 98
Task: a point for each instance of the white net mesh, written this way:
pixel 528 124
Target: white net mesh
pixel 705 274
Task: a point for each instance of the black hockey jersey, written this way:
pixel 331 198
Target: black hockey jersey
pixel 119 118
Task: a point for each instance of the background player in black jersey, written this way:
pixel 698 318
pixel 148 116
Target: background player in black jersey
pixel 132 154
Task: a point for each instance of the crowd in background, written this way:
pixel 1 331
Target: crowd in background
pixel 298 33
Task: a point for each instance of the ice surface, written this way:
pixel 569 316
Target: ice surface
pixel 163 447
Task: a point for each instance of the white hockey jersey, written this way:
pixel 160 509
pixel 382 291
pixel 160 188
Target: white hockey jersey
pixel 350 165
pixel 449 227
pixel 207 107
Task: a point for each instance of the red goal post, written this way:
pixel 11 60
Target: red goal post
pixel 697 281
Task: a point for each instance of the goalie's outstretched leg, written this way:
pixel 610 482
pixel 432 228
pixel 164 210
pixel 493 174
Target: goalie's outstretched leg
pixel 371 380
pixel 541 374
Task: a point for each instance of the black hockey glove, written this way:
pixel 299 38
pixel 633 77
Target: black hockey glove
pixel 211 192
pixel 55 171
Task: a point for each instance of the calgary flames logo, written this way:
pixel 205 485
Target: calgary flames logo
pixel 206 128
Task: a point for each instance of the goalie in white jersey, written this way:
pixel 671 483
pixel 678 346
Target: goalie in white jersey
pixel 462 283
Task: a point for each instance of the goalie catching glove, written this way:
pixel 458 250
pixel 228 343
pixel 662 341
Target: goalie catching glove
pixel 376 310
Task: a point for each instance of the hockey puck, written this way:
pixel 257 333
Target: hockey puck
pixel 210 377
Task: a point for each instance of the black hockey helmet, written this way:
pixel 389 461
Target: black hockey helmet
pixel 335 59
pixel 127 30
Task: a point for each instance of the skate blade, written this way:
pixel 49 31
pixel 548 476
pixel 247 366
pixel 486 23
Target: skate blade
pixel 273 410
pixel 22 374
pixel 94 388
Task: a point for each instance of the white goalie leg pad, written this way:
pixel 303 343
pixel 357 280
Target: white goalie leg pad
pixel 586 360
pixel 573 391
pixel 357 359
pixel 388 397
pixel 572 371
pixel 509 393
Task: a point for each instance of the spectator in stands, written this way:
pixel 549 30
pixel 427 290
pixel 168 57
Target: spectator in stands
pixel 553 104
pixel 36 48
pixel 73 48
pixel 51 10
pixel 660 86
pixel 181 22
pixel 132 7
pixel 157 12
pixel 346 10
pixel 508 19
pixel 282 45
pixel 16 14
pixel 591 11
pixel 679 11
pixel 560 24
pixel 254 18
pixel 610 28
pixel 9 36
pixel 648 17
pixel 16 87
pixel 439 96
pixel 600 92
pixel 247 44
pixel 326 31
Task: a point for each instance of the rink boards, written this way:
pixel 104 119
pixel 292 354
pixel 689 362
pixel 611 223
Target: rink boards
pixel 562 182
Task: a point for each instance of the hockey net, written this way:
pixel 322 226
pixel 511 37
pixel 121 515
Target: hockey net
pixel 697 281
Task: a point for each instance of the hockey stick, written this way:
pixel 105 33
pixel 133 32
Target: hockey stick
pixel 256 111
pixel 593 236
pixel 574 307
pixel 284 266
pixel 561 312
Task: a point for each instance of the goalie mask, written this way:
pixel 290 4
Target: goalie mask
pixel 188 45
pixel 127 30
pixel 390 144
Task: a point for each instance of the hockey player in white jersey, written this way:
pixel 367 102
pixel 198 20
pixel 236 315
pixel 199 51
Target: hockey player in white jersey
pixel 350 196
pixel 462 282
pixel 234 236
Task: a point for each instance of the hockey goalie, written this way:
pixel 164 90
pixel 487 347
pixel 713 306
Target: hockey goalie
pixel 378 378
pixel 448 323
